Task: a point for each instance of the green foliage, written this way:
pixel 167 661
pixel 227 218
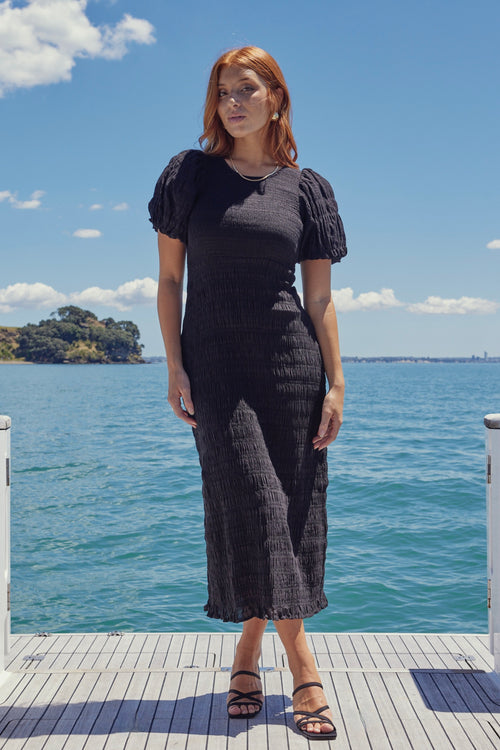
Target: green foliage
pixel 78 336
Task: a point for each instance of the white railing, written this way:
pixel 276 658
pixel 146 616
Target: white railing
pixel 492 424
pixel 4 539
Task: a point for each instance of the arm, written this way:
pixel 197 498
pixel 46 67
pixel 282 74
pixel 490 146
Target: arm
pixel 319 305
pixel 172 260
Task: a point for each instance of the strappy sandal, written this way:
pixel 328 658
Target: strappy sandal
pixel 245 699
pixel 313 717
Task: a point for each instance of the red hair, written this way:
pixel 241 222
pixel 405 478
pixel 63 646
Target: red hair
pixel 216 140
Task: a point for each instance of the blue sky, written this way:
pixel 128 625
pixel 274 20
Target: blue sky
pixel 396 103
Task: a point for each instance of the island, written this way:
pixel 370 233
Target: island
pixel 72 336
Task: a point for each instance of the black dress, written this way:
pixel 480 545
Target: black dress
pixel 256 375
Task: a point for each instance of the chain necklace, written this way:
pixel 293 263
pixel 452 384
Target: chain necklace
pixel 253 179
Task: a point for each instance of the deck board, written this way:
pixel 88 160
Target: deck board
pixel 143 691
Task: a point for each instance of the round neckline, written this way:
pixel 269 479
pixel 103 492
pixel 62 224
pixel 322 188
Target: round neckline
pixel 251 177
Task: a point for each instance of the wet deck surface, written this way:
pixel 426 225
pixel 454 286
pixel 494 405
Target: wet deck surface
pixel 161 690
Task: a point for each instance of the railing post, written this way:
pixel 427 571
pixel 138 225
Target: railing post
pixel 492 424
pixel 4 539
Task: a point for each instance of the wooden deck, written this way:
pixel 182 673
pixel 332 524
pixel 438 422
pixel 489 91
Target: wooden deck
pixel 160 690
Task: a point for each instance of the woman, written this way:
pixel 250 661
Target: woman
pixel 248 372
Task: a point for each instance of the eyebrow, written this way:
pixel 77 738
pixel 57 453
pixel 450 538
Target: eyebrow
pixel 240 80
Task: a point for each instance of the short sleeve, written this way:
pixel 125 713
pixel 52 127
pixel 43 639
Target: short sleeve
pixel 323 235
pixel 175 194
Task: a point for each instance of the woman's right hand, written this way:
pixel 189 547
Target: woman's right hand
pixel 179 396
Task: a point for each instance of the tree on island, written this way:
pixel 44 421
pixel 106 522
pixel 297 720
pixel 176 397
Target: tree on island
pixel 75 335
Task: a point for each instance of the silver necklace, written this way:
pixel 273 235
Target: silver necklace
pixel 253 179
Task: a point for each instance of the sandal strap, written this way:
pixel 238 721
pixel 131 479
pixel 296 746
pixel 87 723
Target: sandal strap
pixel 247 697
pixel 306 685
pixel 313 717
pixel 245 671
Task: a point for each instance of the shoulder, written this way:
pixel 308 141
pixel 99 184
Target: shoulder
pixel 314 185
pixel 184 163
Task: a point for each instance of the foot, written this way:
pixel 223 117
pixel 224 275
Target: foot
pixel 310 699
pixel 250 703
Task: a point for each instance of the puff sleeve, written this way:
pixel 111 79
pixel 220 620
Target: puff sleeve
pixel 175 194
pixel 323 235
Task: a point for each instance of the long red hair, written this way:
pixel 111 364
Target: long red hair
pixel 216 140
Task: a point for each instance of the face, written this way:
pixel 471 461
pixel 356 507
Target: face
pixel 244 105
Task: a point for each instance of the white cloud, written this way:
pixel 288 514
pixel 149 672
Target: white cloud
pixel 121 207
pixel 346 302
pixel 95 207
pixel 33 202
pixel 24 296
pixel 27 296
pixel 87 234
pixel 130 294
pixel 461 306
pixel 40 41
pixel 494 245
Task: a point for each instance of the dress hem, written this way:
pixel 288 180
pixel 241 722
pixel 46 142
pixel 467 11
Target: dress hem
pixel 278 613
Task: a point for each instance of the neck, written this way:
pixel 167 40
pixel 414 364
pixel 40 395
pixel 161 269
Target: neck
pixel 251 154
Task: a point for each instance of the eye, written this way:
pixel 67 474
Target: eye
pixel 246 89
pixel 222 93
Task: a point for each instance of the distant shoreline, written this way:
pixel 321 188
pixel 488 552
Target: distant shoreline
pixel 391 360
pixel 355 360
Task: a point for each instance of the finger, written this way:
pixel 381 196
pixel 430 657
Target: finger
pixel 322 441
pixel 188 401
pixel 324 424
pixel 181 413
pixel 188 418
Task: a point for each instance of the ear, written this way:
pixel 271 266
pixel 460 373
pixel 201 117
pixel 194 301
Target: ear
pixel 279 95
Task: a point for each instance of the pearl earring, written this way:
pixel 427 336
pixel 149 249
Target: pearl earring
pixel 275 117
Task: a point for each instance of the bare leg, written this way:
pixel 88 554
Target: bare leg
pixel 247 657
pixel 303 667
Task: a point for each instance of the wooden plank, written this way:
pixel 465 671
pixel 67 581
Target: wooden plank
pixel 202 706
pixel 388 715
pixel 456 690
pixel 71 711
pixel 375 647
pixel 437 703
pixel 219 721
pixel 268 655
pixel 228 650
pixel 145 657
pixel 437 736
pixel 368 712
pixel 333 691
pixel 215 645
pixel 469 647
pixel 89 712
pixel 162 720
pixel 125 721
pixel 181 718
pixel 413 726
pixel 335 651
pixel 138 739
pixel 109 709
pixel 269 728
pixel 76 660
pixel 339 696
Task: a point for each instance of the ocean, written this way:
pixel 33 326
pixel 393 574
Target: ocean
pixel 107 517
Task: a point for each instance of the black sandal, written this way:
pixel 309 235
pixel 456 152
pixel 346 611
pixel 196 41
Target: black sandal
pixel 245 699
pixel 313 717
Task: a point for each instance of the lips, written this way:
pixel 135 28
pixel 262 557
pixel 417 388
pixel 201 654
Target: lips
pixel 236 118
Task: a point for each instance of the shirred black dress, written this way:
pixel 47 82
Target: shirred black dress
pixel 257 377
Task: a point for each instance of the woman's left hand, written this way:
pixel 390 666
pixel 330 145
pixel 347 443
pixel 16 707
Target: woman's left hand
pixel 331 418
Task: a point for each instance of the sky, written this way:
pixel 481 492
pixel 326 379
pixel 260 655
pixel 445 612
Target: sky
pixel 396 103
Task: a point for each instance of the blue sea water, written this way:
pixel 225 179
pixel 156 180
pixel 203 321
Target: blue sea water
pixel 107 518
